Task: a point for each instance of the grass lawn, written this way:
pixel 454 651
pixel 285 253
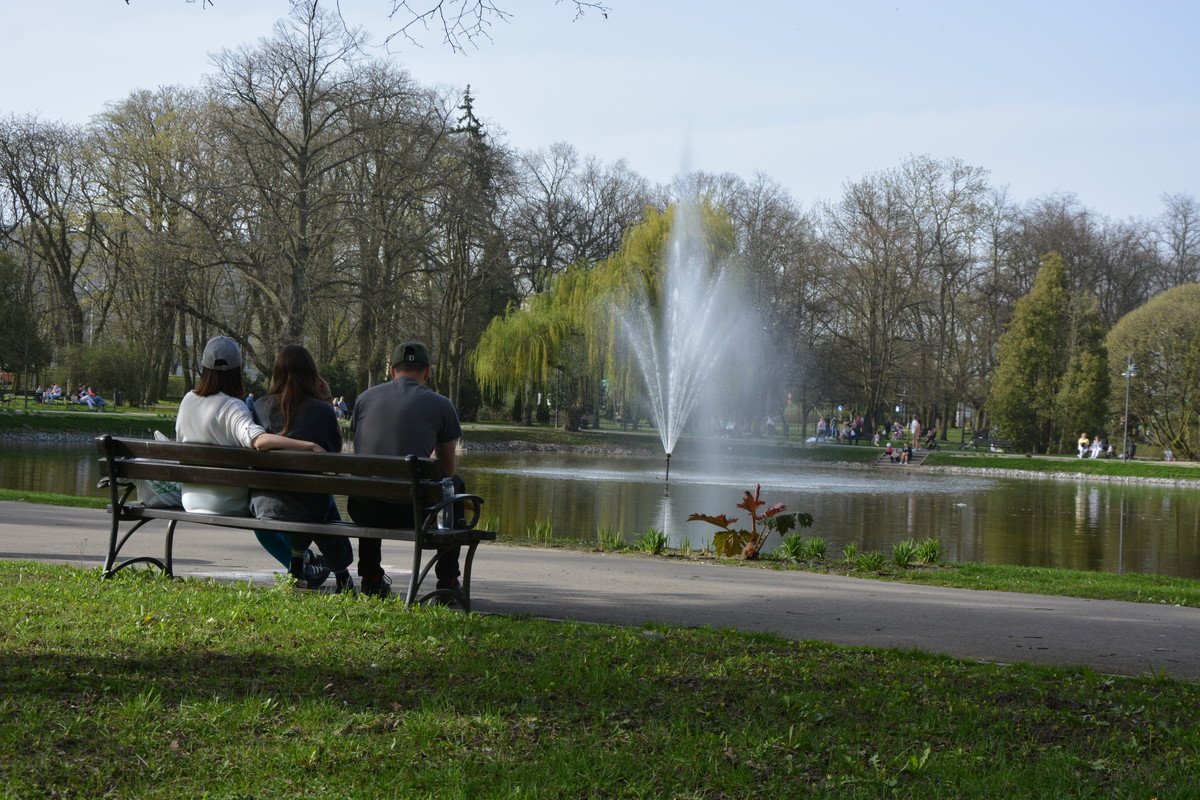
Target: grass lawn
pixel 141 687
pixel 1076 466
pixel 130 423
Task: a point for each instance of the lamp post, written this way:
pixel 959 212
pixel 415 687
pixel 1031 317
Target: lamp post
pixel 1130 371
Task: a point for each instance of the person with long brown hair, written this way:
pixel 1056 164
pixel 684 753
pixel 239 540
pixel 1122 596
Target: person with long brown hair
pixel 298 406
pixel 215 413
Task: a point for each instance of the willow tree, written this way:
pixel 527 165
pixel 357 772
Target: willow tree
pixel 519 351
pixel 570 333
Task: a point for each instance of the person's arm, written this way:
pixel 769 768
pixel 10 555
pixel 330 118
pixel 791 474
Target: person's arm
pixel 447 457
pixel 273 441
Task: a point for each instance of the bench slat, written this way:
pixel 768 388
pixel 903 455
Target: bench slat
pixel 246 457
pixel 270 480
pixel 434 538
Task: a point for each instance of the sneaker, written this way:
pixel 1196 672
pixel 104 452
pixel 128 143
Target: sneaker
pixel 451 585
pixel 345 583
pixel 379 587
pixel 311 572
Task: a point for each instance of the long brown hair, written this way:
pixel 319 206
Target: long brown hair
pixel 228 381
pixel 294 378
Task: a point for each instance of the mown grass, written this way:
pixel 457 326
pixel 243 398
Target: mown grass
pixel 83 422
pixel 53 499
pixel 1078 466
pixel 1133 587
pixel 141 687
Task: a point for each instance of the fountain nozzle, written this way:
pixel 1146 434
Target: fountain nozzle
pixel 668 478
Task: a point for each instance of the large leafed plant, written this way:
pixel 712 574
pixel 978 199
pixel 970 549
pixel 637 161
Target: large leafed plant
pixel 731 541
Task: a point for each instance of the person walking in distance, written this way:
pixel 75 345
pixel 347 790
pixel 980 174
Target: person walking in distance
pixel 400 418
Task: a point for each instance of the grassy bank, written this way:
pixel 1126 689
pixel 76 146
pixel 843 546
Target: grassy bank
pixel 53 499
pixel 150 688
pixel 1131 587
pixel 1075 466
pixel 85 423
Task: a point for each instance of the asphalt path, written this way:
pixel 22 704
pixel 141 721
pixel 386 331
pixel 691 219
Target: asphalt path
pixel 1111 636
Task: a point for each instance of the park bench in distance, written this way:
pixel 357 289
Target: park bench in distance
pixel 398 480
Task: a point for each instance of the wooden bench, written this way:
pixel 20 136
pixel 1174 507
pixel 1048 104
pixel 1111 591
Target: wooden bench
pixel 987 444
pixel 398 480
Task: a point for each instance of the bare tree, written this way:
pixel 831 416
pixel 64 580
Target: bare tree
pixel 46 179
pixel 1179 238
pixel 289 108
pixel 873 294
pixel 462 23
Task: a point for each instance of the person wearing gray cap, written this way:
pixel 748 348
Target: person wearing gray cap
pixel 400 418
pixel 215 413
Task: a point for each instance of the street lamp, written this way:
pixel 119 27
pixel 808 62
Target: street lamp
pixel 1130 371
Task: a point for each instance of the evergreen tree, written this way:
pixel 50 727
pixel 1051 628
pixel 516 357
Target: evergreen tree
pixel 1033 357
pixel 1084 394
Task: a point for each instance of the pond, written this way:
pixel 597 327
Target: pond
pixel 1083 525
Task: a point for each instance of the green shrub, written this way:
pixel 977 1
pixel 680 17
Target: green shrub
pixel 610 538
pixel 814 549
pixel 111 367
pixel 929 551
pixel 796 547
pixel 176 388
pixel 850 551
pixel 791 547
pixel 542 531
pixel 654 540
pixel 872 561
pixel 904 553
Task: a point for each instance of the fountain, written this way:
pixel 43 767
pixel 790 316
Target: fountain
pixel 685 332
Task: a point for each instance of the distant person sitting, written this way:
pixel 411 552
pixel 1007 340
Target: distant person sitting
pixel 94 401
pixel 1096 446
pixel 891 453
pixel 1085 444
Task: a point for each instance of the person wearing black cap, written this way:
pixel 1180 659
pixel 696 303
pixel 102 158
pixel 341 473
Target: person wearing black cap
pixel 400 418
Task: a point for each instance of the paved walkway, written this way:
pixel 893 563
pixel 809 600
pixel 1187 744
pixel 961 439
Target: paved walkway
pixel 1113 637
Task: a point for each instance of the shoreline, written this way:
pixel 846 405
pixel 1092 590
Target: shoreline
pixel 486 445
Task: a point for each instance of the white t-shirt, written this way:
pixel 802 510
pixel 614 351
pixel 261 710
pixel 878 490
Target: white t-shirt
pixel 216 419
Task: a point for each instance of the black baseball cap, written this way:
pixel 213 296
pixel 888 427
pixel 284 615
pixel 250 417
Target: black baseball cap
pixel 411 353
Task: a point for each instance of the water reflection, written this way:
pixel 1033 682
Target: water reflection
pixel 1109 527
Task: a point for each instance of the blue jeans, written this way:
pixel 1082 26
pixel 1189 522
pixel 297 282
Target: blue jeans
pixel 336 549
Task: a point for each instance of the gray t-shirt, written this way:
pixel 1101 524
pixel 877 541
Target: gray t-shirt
pixel 402 417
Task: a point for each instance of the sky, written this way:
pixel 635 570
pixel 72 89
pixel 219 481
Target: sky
pixel 1100 99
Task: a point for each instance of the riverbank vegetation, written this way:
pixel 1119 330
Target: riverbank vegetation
pixel 151 688
pixel 1084 467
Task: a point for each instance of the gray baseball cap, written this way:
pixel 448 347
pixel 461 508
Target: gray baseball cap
pixel 221 353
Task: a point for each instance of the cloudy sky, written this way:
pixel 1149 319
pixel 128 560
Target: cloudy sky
pixel 1097 98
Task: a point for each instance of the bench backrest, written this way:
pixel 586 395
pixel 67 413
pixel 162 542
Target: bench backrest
pixel 398 480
